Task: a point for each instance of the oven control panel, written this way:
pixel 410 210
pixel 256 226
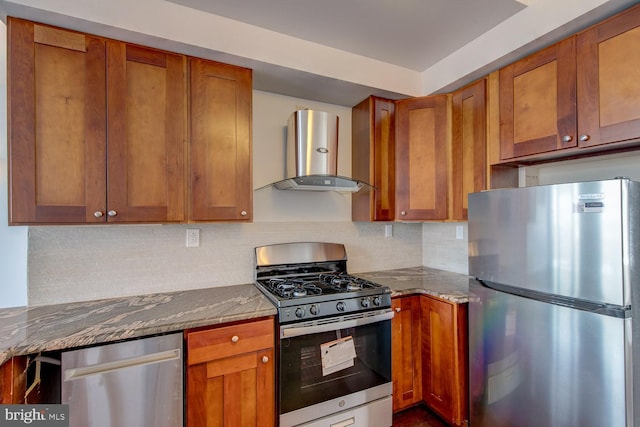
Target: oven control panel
pixel 319 309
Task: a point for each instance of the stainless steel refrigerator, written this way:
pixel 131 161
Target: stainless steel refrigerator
pixel 553 311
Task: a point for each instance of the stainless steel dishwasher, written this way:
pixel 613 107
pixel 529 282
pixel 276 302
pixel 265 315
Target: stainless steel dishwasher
pixel 135 383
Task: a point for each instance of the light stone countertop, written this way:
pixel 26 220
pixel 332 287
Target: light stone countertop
pixel 31 330
pixel 443 284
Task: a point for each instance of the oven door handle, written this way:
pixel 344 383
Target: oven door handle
pixel 293 331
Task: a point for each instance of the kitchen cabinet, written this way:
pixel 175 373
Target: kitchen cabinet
pixel 230 375
pixel 421 158
pixel 13 380
pixel 444 358
pixel 220 99
pixel 468 146
pixel 373 159
pixel 577 96
pixel 406 360
pixel 96 129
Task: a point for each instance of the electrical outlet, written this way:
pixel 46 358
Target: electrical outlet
pixel 459 232
pixel 388 230
pixel 193 237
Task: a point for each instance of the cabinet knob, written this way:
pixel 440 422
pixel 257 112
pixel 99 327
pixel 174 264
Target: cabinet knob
pixel 265 359
pixel 112 213
pixel 567 138
pixel 243 213
pixel 584 137
pixel 98 214
pixel 397 309
pixel 234 338
pixel 403 213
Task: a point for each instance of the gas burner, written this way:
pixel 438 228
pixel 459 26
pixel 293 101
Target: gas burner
pixel 292 288
pixel 342 282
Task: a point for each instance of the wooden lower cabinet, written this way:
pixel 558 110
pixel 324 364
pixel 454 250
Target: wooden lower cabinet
pixel 444 358
pixel 429 356
pixel 13 380
pixel 405 352
pixel 230 375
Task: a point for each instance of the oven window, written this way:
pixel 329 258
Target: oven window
pixel 302 379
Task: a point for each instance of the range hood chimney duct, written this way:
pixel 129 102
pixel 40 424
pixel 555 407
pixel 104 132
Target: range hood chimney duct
pixel 312 155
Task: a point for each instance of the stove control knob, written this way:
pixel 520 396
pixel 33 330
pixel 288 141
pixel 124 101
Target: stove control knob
pixel 299 312
pixel 314 309
pixel 365 302
pixel 340 306
pixel 377 300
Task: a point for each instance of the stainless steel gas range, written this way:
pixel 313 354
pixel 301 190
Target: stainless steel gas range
pixel 335 337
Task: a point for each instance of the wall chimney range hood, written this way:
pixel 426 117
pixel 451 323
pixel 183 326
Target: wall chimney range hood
pixel 312 155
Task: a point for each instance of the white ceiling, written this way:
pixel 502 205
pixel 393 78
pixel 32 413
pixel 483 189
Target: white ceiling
pixel 414 34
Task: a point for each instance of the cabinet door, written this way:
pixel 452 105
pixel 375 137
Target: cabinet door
pixel 220 140
pixel 469 146
pixel 406 361
pixel 234 391
pixel 56 125
pixel 147 128
pixel 609 80
pixel 373 159
pixel 13 380
pixel 538 102
pixel 444 358
pixel 421 158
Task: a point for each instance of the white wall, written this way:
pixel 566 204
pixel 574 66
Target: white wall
pixel 13 240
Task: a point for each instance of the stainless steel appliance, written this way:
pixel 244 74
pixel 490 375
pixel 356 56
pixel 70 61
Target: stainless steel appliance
pixel 335 337
pixel 553 312
pixel 135 383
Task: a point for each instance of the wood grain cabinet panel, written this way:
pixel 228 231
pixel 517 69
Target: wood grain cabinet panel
pixel 421 158
pixel 538 102
pixel 608 61
pixel 468 146
pixel 445 358
pixel 373 159
pixel 231 375
pixel 220 142
pixel 406 360
pixel 96 129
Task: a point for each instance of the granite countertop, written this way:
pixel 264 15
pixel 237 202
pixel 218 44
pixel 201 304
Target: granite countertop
pixel 443 284
pixel 30 330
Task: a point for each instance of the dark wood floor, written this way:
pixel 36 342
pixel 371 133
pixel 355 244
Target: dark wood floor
pixel 418 416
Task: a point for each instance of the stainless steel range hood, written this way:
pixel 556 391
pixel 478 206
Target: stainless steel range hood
pixel 312 155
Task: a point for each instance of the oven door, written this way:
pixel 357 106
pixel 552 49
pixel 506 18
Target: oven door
pixel 334 364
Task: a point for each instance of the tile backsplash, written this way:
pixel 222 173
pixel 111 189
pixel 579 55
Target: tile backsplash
pixel 68 264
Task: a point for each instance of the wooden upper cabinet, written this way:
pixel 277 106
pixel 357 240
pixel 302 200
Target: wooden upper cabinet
pixel 220 142
pixel 56 125
pixel 373 159
pixel 96 129
pixel 146 124
pixel 538 102
pixel 609 80
pixel 421 158
pixel 468 146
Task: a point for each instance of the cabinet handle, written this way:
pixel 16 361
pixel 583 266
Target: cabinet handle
pixel 403 213
pixel 584 137
pixel 243 213
pixel 265 359
pixel 112 213
pixel 234 338
pixel 398 309
pixel 567 138
pixel 98 214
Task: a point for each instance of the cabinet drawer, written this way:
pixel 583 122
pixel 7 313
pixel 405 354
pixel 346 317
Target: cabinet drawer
pixel 225 341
